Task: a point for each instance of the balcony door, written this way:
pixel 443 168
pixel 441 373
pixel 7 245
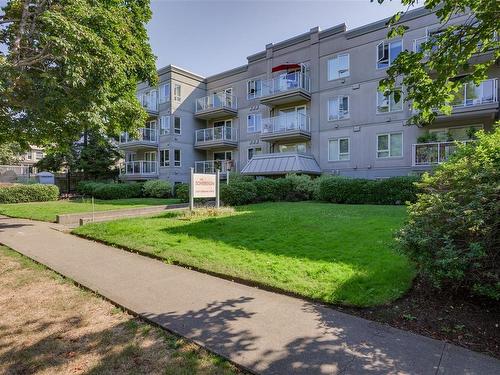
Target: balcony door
pixel 291 118
pixel 222 129
pixel 149 162
pixel 150 131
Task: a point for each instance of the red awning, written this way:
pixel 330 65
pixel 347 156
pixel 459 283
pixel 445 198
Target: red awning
pixel 286 67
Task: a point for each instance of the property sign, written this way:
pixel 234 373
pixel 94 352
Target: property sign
pixel 204 185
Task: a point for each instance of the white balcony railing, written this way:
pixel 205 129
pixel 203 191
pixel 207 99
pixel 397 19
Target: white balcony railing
pixel 139 167
pixel 286 82
pixel 218 133
pixel 145 135
pixel 427 154
pixel 211 166
pixel 286 122
pixel 470 94
pixel 217 101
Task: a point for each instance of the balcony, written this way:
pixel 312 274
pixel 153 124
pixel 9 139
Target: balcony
pixel 429 154
pixel 218 105
pixel 211 166
pixel 286 89
pixel 291 127
pixel 139 170
pixel 217 137
pixel 147 138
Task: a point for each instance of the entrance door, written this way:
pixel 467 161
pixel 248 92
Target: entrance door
pixel 149 162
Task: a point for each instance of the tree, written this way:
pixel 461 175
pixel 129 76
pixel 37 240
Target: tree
pixel 9 153
pixel 71 65
pixel 454 55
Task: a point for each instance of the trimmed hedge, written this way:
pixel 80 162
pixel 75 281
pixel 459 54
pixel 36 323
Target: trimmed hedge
pixel 238 193
pixel 102 190
pixel 157 189
pixel 20 193
pixel 181 191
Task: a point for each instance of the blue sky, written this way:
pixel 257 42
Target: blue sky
pixel 210 36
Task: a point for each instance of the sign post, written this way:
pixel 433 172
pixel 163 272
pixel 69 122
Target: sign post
pixel 204 185
pixel 217 189
pixel 191 191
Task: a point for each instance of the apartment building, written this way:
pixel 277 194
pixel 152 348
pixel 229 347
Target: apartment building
pixel 308 104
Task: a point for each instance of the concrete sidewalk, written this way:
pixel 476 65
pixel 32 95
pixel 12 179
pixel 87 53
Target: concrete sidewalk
pixel 262 331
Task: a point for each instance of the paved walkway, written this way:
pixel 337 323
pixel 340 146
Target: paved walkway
pixel 264 332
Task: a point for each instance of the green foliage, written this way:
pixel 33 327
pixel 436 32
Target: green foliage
pixel 427 138
pixel 430 75
pixel 238 193
pixel 181 191
pixel 102 190
pixel 267 190
pixel 157 189
pixel 453 229
pixel 98 157
pixel 394 190
pixel 71 65
pixel 9 153
pixel 20 193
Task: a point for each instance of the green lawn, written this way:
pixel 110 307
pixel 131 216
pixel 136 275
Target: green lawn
pixel 333 253
pixel 47 211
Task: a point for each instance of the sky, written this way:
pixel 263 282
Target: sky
pixel 211 36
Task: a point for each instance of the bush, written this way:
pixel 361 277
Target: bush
pixel 20 193
pixel 452 229
pixel 238 193
pixel 182 192
pixel 267 190
pixel 396 190
pixel 101 190
pixel 157 189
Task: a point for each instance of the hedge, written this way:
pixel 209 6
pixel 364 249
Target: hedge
pixel 157 189
pixel 181 191
pixel 102 190
pixel 20 193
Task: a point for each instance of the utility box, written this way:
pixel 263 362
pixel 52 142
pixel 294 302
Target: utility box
pixel 45 178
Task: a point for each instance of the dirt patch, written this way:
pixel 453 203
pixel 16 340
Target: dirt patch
pixel 48 326
pixel 462 320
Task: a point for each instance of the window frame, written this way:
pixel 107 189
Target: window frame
pixel 389 135
pixel 338 139
pixel 389 102
pixel 166 161
pixel 254 115
pixel 348 66
pixel 253 152
pixel 164 95
pixel 256 93
pixel 177 98
pixel 388 43
pixel 165 130
pixel 177 163
pixel 347 116
pixel 175 130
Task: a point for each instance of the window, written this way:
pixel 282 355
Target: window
pixel 164 158
pixel 338 67
pixel 226 123
pixel 387 53
pixel 387 103
pixel 254 88
pixel 254 151
pixel 294 147
pixel 177 92
pixel 338 108
pixel 254 123
pixel 165 93
pixel 164 125
pixel 38 155
pixel 177 158
pixel 389 145
pixel 29 155
pixel 177 125
pixel 223 155
pixel 339 149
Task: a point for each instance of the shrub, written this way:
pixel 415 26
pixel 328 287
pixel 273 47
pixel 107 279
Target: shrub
pixel 344 190
pixel 21 193
pixel 238 193
pixel 396 190
pixel 157 189
pixel 266 190
pixel 102 190
pixel 452 229
pixel 301 187
pixel 181 191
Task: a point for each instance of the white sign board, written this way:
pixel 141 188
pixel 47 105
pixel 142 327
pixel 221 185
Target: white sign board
pixel 204 185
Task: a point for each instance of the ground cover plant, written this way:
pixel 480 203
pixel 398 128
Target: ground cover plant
pixel 333 253
pixel 47 211
pixel 50 326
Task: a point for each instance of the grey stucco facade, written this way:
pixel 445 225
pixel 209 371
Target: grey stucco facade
pixel 298 83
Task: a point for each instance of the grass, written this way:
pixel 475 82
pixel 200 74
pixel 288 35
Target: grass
pixel 340 254
pixel 50 326
pixel 47 211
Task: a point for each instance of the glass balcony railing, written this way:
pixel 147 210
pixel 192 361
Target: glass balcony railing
pixel 145 135
pixel 286 82
pixel 217 101
pixel 286 122
pixel 139 167
pixel 427 154
pixel 218 133
pixel 470 94
pixel 211 166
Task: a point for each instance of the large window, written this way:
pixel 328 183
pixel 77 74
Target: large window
pixel 177 158
pixel 165 93
pixel 338 108
pixel 177 125
pixel 177 92
pixel 252 151
pixel 387 103
pixel 164 158
pixel 389 145
pixel 387 53
pixel 293 147
pixel 338 67
pixel 164 125
pixel 339 149
pixel 254 123
pixel 254 88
